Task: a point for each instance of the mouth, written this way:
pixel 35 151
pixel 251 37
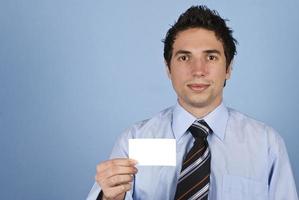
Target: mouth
pixel 198 87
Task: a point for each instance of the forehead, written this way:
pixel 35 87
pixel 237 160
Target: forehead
pixel 197 39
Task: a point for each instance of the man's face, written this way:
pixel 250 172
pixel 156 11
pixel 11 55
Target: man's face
pixel 198 70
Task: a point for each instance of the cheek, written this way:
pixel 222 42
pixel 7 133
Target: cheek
pixel 180 76
pixel 182 71
pixel 219 77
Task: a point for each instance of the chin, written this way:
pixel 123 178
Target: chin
pixel 199 104
pixel 203 102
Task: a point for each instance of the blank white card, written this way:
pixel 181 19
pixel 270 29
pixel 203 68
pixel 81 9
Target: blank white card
pixel 159 152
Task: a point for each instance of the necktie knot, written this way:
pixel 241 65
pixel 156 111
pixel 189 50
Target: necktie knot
pixel 200 129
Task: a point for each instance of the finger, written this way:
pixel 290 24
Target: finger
pixel 103 176
pixel 117 170
pixel 113 192
pixel 116 180
pixel 123 161
pixel 117 161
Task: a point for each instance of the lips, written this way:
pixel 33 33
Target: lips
pixel 198 87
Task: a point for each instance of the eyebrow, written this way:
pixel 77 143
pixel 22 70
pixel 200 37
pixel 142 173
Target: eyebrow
pixel 182 52
pixel 212 51
pixel 205 51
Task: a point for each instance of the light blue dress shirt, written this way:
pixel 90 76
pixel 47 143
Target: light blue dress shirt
pixel 249 159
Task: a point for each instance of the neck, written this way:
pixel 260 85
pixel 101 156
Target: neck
pixel 200 111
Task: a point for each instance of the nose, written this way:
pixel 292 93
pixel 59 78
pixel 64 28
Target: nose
pixel 199 67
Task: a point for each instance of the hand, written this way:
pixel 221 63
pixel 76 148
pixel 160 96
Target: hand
pixel 115 177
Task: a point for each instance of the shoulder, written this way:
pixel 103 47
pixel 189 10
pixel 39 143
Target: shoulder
pixel 241 120
pixel 152 127
pixel 247 127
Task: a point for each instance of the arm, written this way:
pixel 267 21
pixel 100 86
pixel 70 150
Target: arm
pixel 281 180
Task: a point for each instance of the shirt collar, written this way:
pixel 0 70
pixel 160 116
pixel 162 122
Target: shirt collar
pixel 182 120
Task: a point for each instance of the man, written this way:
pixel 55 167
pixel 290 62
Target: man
pixel 221 153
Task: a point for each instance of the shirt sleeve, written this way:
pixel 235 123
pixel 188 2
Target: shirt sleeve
pixel 120 150
pixel 94 192
pixel 281 180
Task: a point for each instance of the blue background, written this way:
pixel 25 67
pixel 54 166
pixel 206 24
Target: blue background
pixel 74 74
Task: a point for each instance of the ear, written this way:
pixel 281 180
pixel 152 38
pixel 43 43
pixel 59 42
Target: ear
pixel 229 71
pixel 167 68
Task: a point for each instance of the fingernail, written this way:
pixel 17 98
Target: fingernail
pixel 134 162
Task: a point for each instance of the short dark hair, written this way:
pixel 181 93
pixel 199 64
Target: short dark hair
pixel 201 17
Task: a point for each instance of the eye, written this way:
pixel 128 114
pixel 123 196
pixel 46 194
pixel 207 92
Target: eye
pixel 183 58
pixel 212 57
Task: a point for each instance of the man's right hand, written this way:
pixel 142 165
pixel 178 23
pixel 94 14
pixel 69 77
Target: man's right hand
pixel 115 177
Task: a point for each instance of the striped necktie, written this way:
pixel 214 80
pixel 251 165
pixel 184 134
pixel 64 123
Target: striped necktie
pixel 193 182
